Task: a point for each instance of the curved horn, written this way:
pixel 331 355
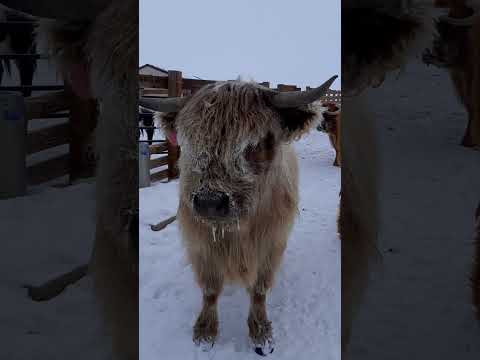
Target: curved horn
pixel 173 104
pixel 56 9
pixel 300 98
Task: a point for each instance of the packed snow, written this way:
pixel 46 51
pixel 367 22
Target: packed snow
pixel 304 305
pixel 45 234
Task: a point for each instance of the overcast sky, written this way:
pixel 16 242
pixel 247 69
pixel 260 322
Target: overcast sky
pixel 281 41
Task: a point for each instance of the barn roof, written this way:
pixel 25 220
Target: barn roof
pixel 153 67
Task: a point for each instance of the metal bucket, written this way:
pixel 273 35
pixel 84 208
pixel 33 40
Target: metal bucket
pixel 13 135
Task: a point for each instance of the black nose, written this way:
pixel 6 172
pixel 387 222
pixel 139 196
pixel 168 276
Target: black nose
pixel 214 204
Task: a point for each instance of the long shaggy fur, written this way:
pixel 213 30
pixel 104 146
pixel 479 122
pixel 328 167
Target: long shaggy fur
pixel 374 43
pixel 108 45
pixel 234 141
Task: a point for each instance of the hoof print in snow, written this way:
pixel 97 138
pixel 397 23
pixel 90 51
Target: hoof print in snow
pixel 263 351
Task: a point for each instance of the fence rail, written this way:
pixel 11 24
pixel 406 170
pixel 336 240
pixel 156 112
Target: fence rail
pixel 58 102
pixel 152 85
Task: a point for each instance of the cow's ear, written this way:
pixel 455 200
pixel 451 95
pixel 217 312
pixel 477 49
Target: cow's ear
pixel 168 125
pixel 296 122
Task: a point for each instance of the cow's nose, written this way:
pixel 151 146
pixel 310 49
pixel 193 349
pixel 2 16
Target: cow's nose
pixel 211 204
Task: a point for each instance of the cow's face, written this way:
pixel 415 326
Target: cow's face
pixel 231 138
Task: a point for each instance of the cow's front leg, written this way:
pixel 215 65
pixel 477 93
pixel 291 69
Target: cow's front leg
pixel 206 327
pixel 260 328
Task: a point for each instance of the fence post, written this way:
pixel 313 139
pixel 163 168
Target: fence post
pixel 13 136
pixel 174 90
pixel 143 165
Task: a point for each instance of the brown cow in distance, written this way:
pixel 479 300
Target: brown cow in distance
pixel 331 125
pixel 238 190
pixel 455 48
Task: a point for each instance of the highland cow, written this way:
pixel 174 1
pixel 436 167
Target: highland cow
pixel 238 189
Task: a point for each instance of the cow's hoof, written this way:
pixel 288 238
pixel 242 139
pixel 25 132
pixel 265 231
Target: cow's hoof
pixel 205 345
pixel 266 349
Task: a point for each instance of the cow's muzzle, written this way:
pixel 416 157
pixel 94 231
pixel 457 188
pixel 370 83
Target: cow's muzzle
pixel 211 204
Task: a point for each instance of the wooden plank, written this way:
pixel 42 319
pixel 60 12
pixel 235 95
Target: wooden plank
pixel 161 161
pixel 151 81
pixel 158 148
pixel 284 87
pixel 160 175
pixel 154 92
pixel 48 170
pixel 32 88
pixel 161 82
pixel 44 105
pixel 47 138
pixel 23 56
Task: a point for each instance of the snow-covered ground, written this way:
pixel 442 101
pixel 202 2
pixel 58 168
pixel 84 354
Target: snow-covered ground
pixel 45 234
pixel 304 305
pixel 418 305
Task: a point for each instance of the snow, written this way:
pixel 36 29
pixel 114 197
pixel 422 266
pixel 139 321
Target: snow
pixel 45 234
pixel 304 305
pixel 418 304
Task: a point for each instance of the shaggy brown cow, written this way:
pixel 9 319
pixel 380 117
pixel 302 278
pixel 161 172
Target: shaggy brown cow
pixel 331 125
pixel 95 43
pixel 456 48
pixel 238 190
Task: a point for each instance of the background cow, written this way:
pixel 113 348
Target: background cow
pixel 331 125
pixel 455 48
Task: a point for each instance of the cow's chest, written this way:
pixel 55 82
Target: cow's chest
pixel 239 257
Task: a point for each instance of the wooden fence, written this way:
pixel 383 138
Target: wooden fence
pixel 174 85
pixel 80 121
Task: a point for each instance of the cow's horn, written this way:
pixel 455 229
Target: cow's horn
pixel 173 104
pixel 56 9
pixel 300 98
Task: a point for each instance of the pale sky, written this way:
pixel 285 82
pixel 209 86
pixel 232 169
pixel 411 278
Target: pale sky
pixel 281 41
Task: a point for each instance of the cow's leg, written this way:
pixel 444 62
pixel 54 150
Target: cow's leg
pixel 260 328
pixel 206 327
pixel 26 68
pixel 150 136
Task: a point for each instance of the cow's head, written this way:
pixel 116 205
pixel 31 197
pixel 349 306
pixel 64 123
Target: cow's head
pixel 231 134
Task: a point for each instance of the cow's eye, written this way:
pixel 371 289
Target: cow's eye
pixel 262 151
